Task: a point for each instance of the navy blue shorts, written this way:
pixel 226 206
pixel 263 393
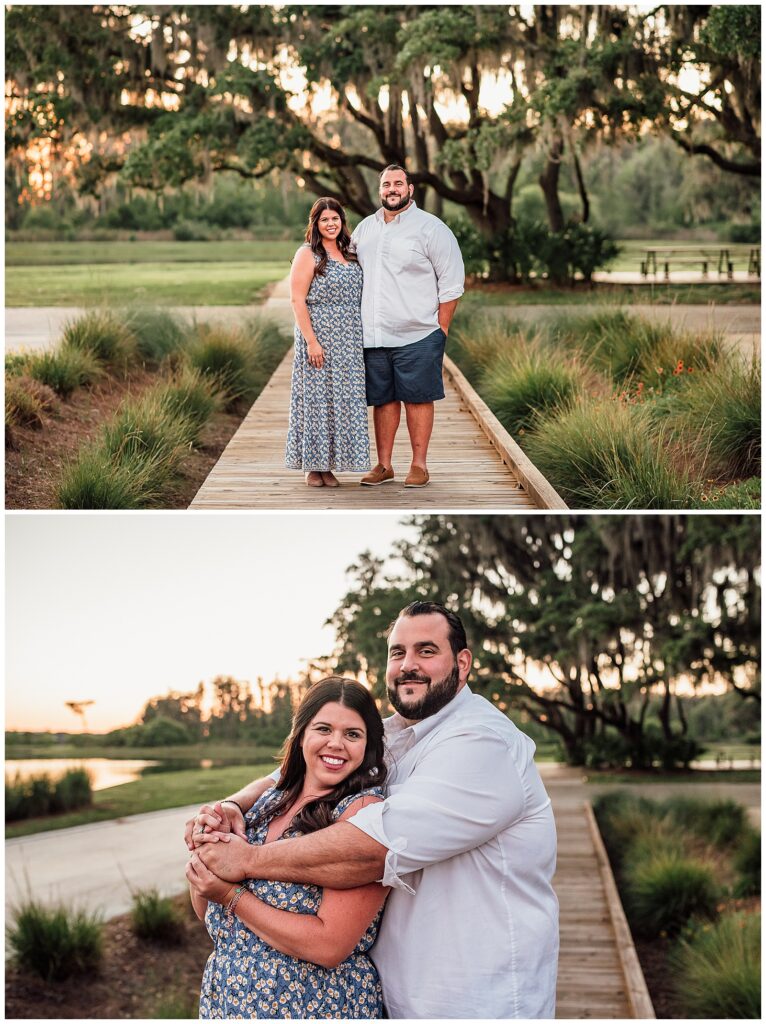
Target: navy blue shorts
pixel 410 373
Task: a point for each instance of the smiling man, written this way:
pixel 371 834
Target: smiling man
pixel 413 278
pixel 465 839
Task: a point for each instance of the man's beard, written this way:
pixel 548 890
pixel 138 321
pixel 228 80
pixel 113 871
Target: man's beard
pixel 397 204
pixel 437 696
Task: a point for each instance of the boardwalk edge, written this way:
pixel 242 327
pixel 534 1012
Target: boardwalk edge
pixel 638 994
pixel 532 480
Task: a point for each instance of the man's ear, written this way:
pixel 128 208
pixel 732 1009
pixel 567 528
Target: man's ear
pixel 464 662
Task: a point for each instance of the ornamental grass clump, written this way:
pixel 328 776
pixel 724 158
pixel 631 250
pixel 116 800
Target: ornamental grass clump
pixel 721 822
pixel 189 394
pixel 489 338
pixel 64 369
pixel 105 336
pixel 717 970
pixel 621 818
pixel 154 917
pixel 524 385
pixel 158 333
pixel 27 401
pixel 665 890
pixel 55 943
pixel 604 454
pixel 93 480
pixel 724 409
pixel 145 433
pixel 747 864
pixel 227 357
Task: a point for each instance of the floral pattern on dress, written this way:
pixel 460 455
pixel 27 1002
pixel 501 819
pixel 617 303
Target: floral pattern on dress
pixel 245 977
pixel 328 406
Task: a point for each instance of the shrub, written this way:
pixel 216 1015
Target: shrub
pixel 662 892
pixel 604 454
pixel 717 971
pixel 94 481
pixel 164 732
pixel 102 334
pixel 56 943
pixel 27 401
pixel 747 861
pixel 523 386
pixel 158 333
pixel 64 369
pixel 724 407
pixel 722 822
pixel 72 790
pixel 191 395
pixel 154 917
pixel 194 231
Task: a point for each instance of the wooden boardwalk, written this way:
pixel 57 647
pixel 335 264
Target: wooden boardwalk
pixel 598 978
pixel 472 461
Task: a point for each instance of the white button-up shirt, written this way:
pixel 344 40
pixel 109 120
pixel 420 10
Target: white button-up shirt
pixel 411 265
pixel 470 928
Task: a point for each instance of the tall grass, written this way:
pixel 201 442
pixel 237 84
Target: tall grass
pixel 104 335
pixel 155 918
pixel 93 480
pixel 724 408
pixel 489 338
pixel 523 386
pixel 717 973
pixel 158 333
pixel 747 862
pixel 191 395
pixel 40 794
pixel 722 822
pixel 239 360
pixel 604 454
pixel 55 942
pixel 64 369
pixel 27 401
pixel 665 890
pixel 145 433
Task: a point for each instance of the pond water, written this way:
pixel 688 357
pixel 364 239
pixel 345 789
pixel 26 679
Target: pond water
pixel 103 771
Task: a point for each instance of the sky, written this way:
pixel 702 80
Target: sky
pixel 117 608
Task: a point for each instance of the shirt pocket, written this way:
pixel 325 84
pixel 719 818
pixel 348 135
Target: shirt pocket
pixel 410 260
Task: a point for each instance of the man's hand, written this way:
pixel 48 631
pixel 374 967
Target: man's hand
pixel 230 859
pixel 207 884
pixel 220 818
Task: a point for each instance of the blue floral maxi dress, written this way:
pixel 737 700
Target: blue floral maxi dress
pixel 247 978
pixel 328 407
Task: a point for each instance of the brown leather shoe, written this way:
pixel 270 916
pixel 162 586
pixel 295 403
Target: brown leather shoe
pixel 379 475
pixel 330 480
pixel 417 477
pixel 314 479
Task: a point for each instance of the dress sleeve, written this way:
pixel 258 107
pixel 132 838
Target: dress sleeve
pixel 466 790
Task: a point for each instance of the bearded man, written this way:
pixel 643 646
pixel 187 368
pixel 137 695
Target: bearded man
pixel 465 839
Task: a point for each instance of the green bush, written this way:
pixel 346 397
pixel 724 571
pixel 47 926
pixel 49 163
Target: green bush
pixel 104 335
pixel 743 495
pixel 27 401
pixel 158 333
pixel 724 408
pixel 64 369
pixel 72 790
pixel 722 822
pixel 717 972
pixel 94 481
pixel 663 892
pixel 154 917
pixel 522 387
pixel 747 862
pixel 191 395
pixel 164 732
pixel 194 231
pixel 39 795
pixel 604 454
pixel 55 943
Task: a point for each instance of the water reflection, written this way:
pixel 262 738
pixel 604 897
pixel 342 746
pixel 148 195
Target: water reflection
pixel 104 772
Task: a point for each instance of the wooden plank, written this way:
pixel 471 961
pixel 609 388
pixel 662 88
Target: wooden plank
pixel 638 993
pixel 468 470
pixel 532 480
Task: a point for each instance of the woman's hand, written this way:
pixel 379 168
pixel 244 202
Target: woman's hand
pixel 315 353
pixel 204 882
pixel 220 819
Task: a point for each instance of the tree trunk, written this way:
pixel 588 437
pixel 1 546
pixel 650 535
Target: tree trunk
pixel 549 183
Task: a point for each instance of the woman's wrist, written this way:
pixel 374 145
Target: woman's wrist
pixel 237 804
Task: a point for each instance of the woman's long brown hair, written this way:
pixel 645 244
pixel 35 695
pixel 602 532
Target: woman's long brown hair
pixel 371 772
pixel 314 239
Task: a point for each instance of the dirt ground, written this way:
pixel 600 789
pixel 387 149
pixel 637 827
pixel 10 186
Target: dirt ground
pixel 34 461
pixel 138 979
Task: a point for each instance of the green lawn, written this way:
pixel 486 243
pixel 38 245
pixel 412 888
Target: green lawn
pixel 211 750
pixel 151 284
pixel 152 793
pixel 632 252
pixel 35 254
pixel 615 295
pixel 736 775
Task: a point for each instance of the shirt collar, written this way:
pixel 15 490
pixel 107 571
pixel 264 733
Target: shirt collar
pixel 413 206
pixel 395 726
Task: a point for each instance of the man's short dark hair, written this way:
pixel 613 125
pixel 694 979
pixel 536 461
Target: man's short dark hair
pixel 457 637
pixel 396 167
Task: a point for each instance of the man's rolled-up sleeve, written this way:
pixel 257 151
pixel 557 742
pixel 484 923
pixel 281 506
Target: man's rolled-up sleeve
pixel 463 793
pixel 447 261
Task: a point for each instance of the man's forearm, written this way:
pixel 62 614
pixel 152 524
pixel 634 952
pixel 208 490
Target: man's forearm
pixel 339 857
pixel 446 313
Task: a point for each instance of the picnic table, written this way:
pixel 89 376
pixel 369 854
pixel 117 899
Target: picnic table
pixel 754 263
pixel 687 256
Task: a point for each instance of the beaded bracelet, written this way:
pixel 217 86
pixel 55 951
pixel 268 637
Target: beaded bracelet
pixel 235 900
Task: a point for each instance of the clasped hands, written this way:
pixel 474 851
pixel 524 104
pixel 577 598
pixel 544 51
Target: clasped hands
pixel 216 838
